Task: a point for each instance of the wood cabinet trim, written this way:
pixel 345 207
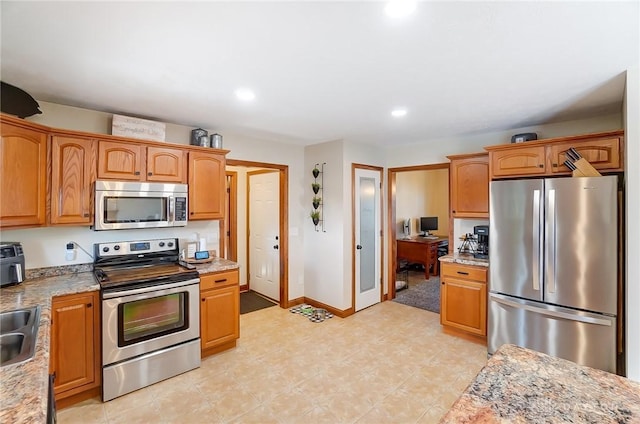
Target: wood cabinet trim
pixel 546 141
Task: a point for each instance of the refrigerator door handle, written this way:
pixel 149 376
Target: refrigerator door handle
pixel 551 241
pixel 537 263
pixel 548 312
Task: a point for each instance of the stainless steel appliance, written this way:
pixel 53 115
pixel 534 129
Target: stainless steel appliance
pixel 123 204
pixel 150 314
pixel 482 246
pixel 554 267
pixel 11 263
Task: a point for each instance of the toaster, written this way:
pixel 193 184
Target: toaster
pixel 11 263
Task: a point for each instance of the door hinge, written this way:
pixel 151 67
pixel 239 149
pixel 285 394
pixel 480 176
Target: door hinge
pixel 380 185
pixel 228 233
pixel 228 190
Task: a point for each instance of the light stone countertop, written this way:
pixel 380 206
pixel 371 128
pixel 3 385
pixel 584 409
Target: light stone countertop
pixel 24 387
pixel 464 259
pixel 519 385
pixel 217 265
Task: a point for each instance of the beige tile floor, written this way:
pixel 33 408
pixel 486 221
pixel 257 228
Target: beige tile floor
pixel 390 363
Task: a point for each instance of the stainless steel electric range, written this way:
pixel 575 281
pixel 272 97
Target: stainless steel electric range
pixel 150 314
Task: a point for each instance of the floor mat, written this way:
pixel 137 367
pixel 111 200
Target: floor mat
pixel 251 301
pixel 423 295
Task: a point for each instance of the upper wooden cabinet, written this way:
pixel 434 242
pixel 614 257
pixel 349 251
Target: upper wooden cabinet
pixel 138 162
pixel 469 185
pixel 546 157
pixel 206 185
pixel 519 161
pixel 73 170
pixel 602 153
pixel 23 170
pixel 164 164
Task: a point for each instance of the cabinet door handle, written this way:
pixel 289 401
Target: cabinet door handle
pixel 540 166
pixel 463 273
pixel 149 173
pixel 203 299
pixel 443 283
pixel 86 215
pixel 136 173
pixel 220 281
pixel 89 305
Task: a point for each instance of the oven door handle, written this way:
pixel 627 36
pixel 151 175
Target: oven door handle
pixel 108 294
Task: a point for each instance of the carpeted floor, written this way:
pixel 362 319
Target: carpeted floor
pixel 251 301
pixel 421 293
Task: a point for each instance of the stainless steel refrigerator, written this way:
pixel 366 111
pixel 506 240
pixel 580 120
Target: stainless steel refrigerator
pixel 554 267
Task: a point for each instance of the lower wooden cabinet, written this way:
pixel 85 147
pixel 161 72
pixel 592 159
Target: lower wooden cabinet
pixel 75 343
pixel 463 297
pixel 219 311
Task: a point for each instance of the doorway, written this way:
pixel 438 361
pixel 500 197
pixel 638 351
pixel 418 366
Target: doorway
pixel 367 235
pixel 395 222
pixel 238 243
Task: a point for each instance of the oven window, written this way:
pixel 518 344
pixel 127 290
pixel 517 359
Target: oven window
pixel 135 209
pixel 148 318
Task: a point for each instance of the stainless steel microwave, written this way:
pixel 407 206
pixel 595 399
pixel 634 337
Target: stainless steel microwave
pixel 125 205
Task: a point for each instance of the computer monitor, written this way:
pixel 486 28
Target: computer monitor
pixel 427 224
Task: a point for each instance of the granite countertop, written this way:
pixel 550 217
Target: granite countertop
pixel 464 258
pixel 217 265
pixel 24 387
pixel 520 386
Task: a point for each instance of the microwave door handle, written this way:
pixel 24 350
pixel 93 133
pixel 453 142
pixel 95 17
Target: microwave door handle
pixel 171 216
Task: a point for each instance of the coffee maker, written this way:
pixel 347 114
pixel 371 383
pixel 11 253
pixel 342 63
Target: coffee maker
pixel 482 233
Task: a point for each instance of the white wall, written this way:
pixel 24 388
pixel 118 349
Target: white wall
pixel 632 159
pixel 324 267
pixel 422 193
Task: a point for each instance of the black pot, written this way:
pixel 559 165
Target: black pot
pixel 315 221
pixel 315 172
pixel 315 205
pixel 316 189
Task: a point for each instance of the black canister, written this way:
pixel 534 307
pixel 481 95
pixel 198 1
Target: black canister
pixel 196 136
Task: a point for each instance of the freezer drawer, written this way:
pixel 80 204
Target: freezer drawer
pixel 582 337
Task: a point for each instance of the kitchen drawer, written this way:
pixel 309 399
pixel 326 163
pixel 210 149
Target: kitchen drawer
pixel 219 279
pixel 466 272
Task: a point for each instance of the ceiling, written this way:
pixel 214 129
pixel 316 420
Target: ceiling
pixel 326 70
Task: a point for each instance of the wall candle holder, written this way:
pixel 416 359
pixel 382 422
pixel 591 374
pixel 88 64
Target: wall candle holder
pixel 318 201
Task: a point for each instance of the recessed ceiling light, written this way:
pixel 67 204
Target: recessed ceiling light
pixel 397 113
pixel 245 94
pixel 399 8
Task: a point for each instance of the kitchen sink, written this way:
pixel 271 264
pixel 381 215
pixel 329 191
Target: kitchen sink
pixel 18 332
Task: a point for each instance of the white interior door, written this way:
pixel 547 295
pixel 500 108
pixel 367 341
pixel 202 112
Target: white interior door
pixel 264 236
pixel 367 238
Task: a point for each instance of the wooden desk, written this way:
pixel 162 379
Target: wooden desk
pixel 420 250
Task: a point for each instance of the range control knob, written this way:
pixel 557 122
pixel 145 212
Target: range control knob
pixel 105 249
pixel 161 244
pixel 170 244
pixel 116 247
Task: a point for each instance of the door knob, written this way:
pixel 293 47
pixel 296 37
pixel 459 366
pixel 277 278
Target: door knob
pixel 276 247
pixel 358 247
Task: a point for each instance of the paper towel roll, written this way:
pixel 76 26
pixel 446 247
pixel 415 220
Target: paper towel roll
pixel 203 244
